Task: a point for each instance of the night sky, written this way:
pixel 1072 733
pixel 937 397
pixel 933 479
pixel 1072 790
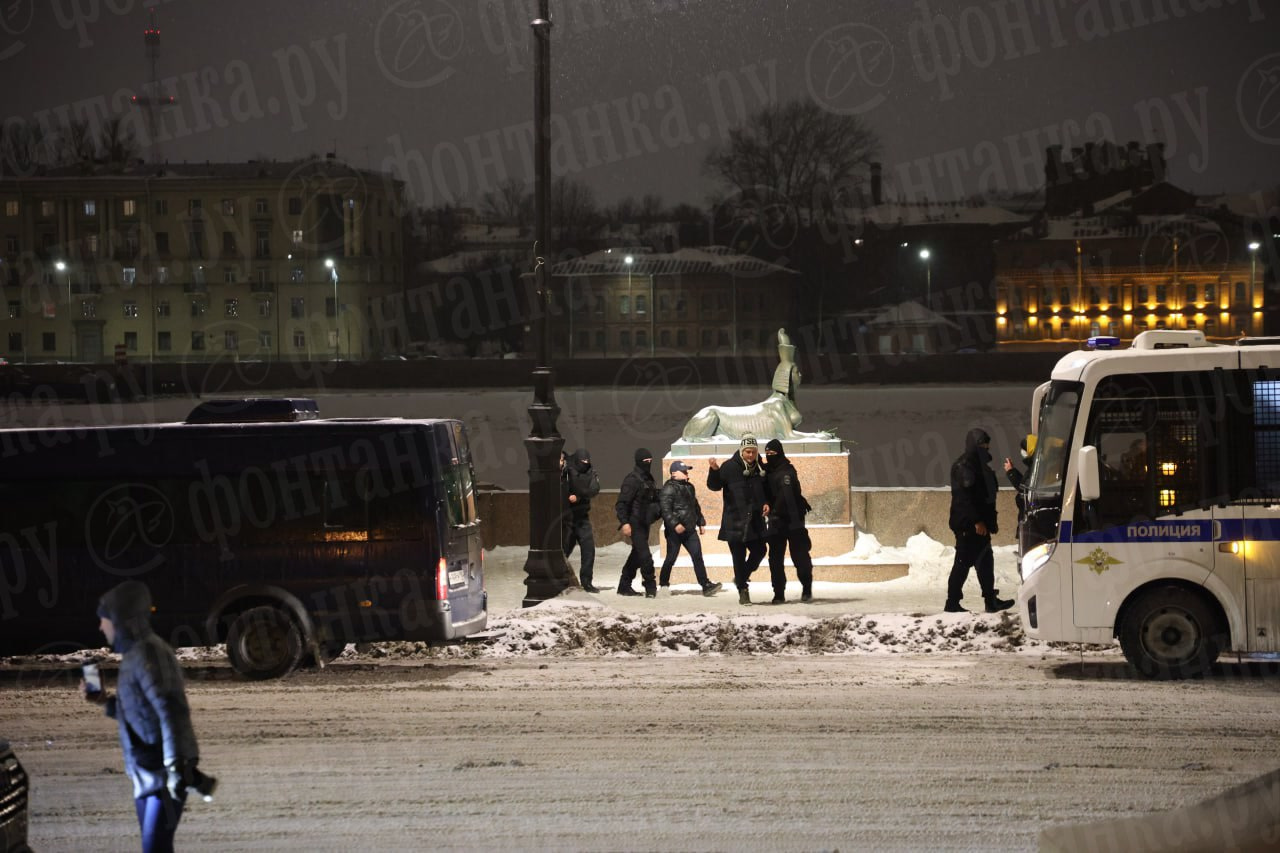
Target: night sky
pixel 964 95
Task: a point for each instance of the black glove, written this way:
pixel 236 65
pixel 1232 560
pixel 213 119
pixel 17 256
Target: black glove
pixel 182 775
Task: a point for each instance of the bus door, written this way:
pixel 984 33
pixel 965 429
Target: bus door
pixel 1257 546
pixel 1148 520
pixel 462 549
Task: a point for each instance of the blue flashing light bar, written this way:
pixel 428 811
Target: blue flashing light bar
pixel 1103 342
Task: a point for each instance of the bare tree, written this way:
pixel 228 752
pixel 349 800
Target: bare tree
pixel 22 149
pixel 77 143
pixel 573 213
pixel 509 203
pixel 797 151
pixel 117 142
pixel 651 208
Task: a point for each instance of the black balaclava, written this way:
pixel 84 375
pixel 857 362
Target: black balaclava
pixel 781 454
pixel 641 455
pixel 582 460
pixel 973 442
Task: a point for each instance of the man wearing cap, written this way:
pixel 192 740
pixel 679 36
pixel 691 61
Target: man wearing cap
pixel 973 520
pixel 637 508
pixel 746 510
pixel 682 524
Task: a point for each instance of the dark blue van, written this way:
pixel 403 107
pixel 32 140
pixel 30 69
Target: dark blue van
pixel 255 523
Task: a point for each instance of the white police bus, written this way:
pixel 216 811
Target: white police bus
pixel 1153 501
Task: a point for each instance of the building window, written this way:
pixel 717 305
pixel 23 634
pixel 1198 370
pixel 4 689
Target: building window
pixel 297 238
pixel 264 243
pixel 330 307
pixel 297 307
pixel 722 302
pixel 642 305
pixel 194 206
pixel 195 242
pixel 162 275
pixel 162 242
pixel 11 243
pixel 722 337
pixel 600 340
pixel 1190 291
pixel 130 309
pixel 624 304
pixel 682 338
pixel 91 245
pixel 664 337
pixel 664 303
pixel 131 341
pixel 299 339
pixel 707 338
pixel 1143 293
pixel 161 207
pixel 228 242
pixel 197 275
pixel 297 276
pixel 231 340
pixel 197 308
pixel 1210 293
pixel 260 206
pixel 197 341
pixel 15 342
pixel 1241 299
pixel 228 275
pixel 264 340
pixel 624 340
pixel 164 341
pixel 129 275
pixel 10 208
pixel 129 207
pixel 584 340
pixel 49 341
pixel 295 205
pixel 231 307
pixel 1162 293
pixel 705 302
pixel 228 207
pixel 47 208
pixel 89 308
pixel 642 338
pixel 264 308
pixel 162 308
pixel 15 309
pixel 90 208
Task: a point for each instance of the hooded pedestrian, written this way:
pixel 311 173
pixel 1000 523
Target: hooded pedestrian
pixel 579 484
pixel 973 520
pixel 637 508
pixel 746 508
pixel 150 707
pixel 682 526
pixel 786 524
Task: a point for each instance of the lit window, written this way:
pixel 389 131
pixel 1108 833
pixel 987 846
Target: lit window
pixel 231 307
pixel 297 238
pixel 129 207
pixel 228 207
pixel 299 339
pixel 130 309
pixel 91 208
pixel 47 208
pixel 129 275
pixel 10 208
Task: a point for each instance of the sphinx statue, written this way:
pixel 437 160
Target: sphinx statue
pixel 776 417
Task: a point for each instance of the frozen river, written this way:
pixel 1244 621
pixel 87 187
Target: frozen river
pixel 898 435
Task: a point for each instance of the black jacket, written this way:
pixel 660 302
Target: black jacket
pixel 150 702
pixel 788 506
pixel 638 499
pixel 973 487
pixel 579 478
pixel 679 501
pixel 1017 479
pixel 744 500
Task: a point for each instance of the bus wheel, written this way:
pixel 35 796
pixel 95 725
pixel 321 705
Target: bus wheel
pixel 1171 632
pixel 263 642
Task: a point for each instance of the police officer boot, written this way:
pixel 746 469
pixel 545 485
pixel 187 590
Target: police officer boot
pixel 744 597
pixel 995 604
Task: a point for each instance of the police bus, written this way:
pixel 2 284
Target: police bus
pixel 255 523
pixel 1153 501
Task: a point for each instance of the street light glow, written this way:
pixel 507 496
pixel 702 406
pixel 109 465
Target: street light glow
pixel 924 254
pixel 60 266
pixel 1255 246
pixel 328 262
pixel 628 260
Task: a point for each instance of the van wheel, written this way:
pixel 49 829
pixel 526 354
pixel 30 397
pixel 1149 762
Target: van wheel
pixel 263 642
pixel 1171 632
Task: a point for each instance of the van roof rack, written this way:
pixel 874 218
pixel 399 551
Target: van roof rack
pixel 247 410
pixel 1170 339
pixel 1259 341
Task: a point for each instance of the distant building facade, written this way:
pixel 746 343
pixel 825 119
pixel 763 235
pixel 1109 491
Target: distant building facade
pixel 178 262
pixel 705 301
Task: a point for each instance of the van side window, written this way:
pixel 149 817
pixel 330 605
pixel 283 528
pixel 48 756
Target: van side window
pixel 460 493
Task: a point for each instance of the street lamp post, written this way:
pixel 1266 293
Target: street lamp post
pixel 928 277
pixel 631 298
pixel 71 322
pixel 546 571
pixel 333 274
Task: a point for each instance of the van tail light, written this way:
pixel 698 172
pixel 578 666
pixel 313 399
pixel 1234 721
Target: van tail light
pixel 442 581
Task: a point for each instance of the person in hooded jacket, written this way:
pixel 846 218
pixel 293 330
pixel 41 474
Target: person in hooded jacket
pixel 746 510
pixel 579 484
pixel 973 520
pixel 682 525
pixel 150 707
pixel 786 524
pixel 637 508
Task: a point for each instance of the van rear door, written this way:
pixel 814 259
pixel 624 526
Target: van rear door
pixel 462 551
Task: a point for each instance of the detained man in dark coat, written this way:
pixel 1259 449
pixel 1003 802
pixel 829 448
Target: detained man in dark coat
pixel 973 520
pixel 150 706
pixel 786 524
pixel 579 484
pixel 746 510
pixel 637 508
pixel 682 526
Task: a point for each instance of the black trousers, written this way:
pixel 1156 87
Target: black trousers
pixel 640 559
pixel 578 532
pixel 972 551
pixel 799 542
pixel 747 557
pixel 691 542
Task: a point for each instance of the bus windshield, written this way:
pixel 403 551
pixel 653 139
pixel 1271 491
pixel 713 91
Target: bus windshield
pixel 1053 440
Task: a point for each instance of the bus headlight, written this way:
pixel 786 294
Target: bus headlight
pixel 1034 560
